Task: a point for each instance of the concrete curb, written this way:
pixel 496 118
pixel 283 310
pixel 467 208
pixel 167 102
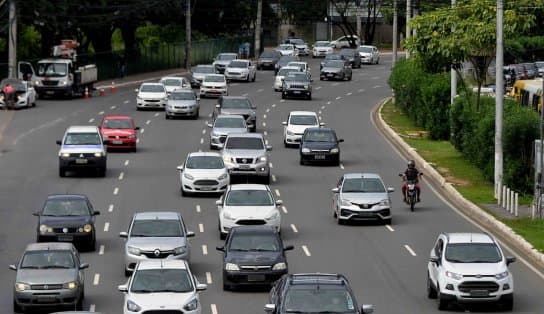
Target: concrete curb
pixel 502 231
pixel 147 79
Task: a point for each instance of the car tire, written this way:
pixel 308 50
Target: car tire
pixel 310 96
pixel 79 304
pixel 387 221
pixel 197 114
pixel 378 61
pixel 134 149
pixel 166 116
pixel 442 303
pixel 17 308
pixel 350 76
pixel 138 109
pixel 283 95
pixel 91 246
pixel 183 192
pixel 227 287
pixel 431 291
pixel 266 180
pixel 334 214
pixel 302 162
pixel 340 221
pixel 62 172
pixel 222 235
pixel 101 172
pixel 507 302
pixel 254 77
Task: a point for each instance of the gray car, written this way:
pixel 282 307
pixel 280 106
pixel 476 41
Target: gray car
pixel 223 126
pixel 198 73
pixel 49 275
pixel 353 56
pixel 156 235
pixel 238 105
pixel 247 155
pixel 182 103
pixel 268 59
pixel 336 70
pixel 297 84
pixel 222 60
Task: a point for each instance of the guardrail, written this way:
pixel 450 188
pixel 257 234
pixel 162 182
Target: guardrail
pixel 508 199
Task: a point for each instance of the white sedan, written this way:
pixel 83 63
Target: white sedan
pixel 247 204
pixel 151 95
pixel 214 85
pixel 296 123
pixel 282 73
pixel 369 54
pixel 25 94
pixel 203 172
pixel 287 50
pixel 321 49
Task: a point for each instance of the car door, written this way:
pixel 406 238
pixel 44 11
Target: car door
pixel 252 69
pixel 434 268
pixel 81 273
pixel 336 197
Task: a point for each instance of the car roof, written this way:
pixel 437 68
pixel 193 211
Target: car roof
pixel 302 113
pixel 198 154
pixel 248 186
pixel 290 68
pixel 367 46
pixel 82 129
pixel 149 215
pixel 163 263
pixel 317 278
pixel 248 135
pixel 183 90
pixel 244 60
pixel 258 229
pixel 228 53
pixel 204 65
pixel 67 196
pixel 172 78
pixel 230 116
pixel 468 237
pixel 361 175
pixel 53 246
pixel 320 129
pixel 234 97
pixel 152 83
pixel 114 117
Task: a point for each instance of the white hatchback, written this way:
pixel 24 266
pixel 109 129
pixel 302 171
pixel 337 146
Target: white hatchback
pixel 214 85
pixel 287 50
pixel 296 123
pixel 151 95
pixel 203 172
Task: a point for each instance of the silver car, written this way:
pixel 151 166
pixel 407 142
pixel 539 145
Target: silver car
pixel 223 125
pixel 198 73
pixel 156 235
pixel 162 286
pixel 222 60
pixel 203 172
pixel 49 275
pixel 182 103
pixel 247 155
pixel 361 196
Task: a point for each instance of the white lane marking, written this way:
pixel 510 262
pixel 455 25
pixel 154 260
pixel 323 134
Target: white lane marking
pixel 319 117
pixel 409 249
pixel 283 100
pixel 361 90
pixel 91 120
pixel 260 90
pixel 204 131
pixel 110 208
pixel 318 87
pixel 200 150
pixel 96 279
pixel 204 249
pixel 101 113
pixel 284 209
pixel 322 107
pixel 92 308
pixel 137 140
pixel 306 251
pixel 375 77
pixel 328 102
pixel 264 123
pixel 390 228
pixel 106 227
pixel 142 131
pixel 115 191
pixel 245 94
pixel 267 109
pixel 209 278
pixel 201 227
pixel 156 114
pixel 126 101
pixel 210 115
pixel 377 86
pixel 339 97
pixel 265 133
pixel 349 94
pixel 270 165
pixel 341 166
pixel 277 192
pixel 273 178
pixel 201 140
pixel 198 208
pixel 127 162
pixel 101 250
pixel 265 142
pixel 121 175
pixel 148 121
pixel 335 84
pixel 112 107
pixel 264 116
pixel 273 105
pixel 295 230
pixel 234 84
pixel 319 112
pixel 214 308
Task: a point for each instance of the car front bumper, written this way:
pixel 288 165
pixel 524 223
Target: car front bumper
pixel 150 103
pixel 182 111
pixel 74 163
pixel 236 76
pixel 122 143
pixel 76 238
pixel 461 291
pixel 320 157
pixel 302 93
pixel 204 185
pixel 131 260
pixel 252 277
pixel 293 139
pixel 332 75
pixel 380 213
pixel 34 299
pixel 214 92
pixel 260 169
pixel 228 224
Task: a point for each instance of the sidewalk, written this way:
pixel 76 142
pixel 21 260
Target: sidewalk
pixel 139 78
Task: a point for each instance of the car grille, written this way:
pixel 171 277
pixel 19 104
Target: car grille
pixel 116 137
pixel 250 222
pixel 151 100
pixel 59 230
pixel 163 312
pixel 50 83
pixel 244 160
pixel 468 286
pixel 82 155
pixel 162 254
pixel 255 267
pixel 366 206
pixel 299 86
pixel 234 73
pixel 206 182
pixel 320 150
pixel 46 287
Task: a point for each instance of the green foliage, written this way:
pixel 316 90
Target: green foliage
pixel 524 48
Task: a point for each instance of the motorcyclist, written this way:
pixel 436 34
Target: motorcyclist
pixel 9 96
pixel 411 174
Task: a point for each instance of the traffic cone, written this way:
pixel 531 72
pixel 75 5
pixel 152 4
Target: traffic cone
pixel 86 94
pixel 112 88
pixel 102 92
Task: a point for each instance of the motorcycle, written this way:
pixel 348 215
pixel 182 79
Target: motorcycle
pixel 411 192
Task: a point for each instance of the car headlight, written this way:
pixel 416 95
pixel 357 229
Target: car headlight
pixel 263 158
pixel 63 82
pixel 334 151
pixel 279 266
pixel 180 250
pixel 273 216
pixel 37 83
pixel 305 150
pixel 231 266
pixel 133 307
pixel 165 98
pixel 192 305
pixel 86 228
pixel 132 136
pixel 134 250
pixel 227 159
pixel 454 275
pixel 188 176
pixel 99 154
pixel 227 215
pixel 290 132
pixel 70 285
pixel 19 286
pixel 384 202
pixel 139 98
pixel 306 86
pixel 502 275
pixel 223 176
pixel 45 229
pixel 64 155
pixel 345 203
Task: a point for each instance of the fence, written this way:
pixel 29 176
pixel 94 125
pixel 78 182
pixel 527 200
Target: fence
pixel 508 199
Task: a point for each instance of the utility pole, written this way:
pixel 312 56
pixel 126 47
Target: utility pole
pixel 395 35
pixel 330 20
pixel 187 34
pixel 12 54
pixel 258 29
pixel 453 84
pixel 499 99
pixel 358 17
pixel 408 16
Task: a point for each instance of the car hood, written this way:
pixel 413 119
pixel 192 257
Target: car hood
pixel 265 60
pixel 226 131
pixel 477 268
pixel 254 258
pixel 46 276
pixel 205 173
pixel 244 153
pixel 215 84
pixel 199 76
pixel 331 69
pixel 82 148
pixel 230 69
pixel 117 132
pixel 250 212
pixel 65 221
pixel 237 111
pixel 222 62
pixel 288 83
pixel 168 300
pixel 182 102
pixel 151 95
pixel 364 198
pixel 301 46
pixel 299 129
pixel 153 243
pixel 171 88
pixel 319 145
pixel 365 54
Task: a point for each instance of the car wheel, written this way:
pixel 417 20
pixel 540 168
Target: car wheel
pixel 378 61
pixel 431 291
pixel 442 303
pixel 266 180
pixel 134 149
pixel 166 116
pixel 350 76
pixel 101 172
pixel 183 192
pixel 387 221
pixel 62 172
pixel 79 304
pixel 138 108
pixel 222 235
pixel 334 214
pixel 227 287
pixel 340 221
pixel 507 302
pixel 17 308
pixel 254 77
pixel 285 144
pixel 321 79
pixel 91 246
pixel 310 96
pixel 283 95
pixel 197 114
pixel 302 162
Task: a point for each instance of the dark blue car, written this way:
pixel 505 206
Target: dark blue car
pixel 319 145
pixel 67 218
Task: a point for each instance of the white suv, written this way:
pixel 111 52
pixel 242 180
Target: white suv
pixel 469 267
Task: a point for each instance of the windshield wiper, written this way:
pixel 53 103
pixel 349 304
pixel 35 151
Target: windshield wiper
pixel 172 290
pixel 142 290
pixel 453 260
pixel 240 250
pixel 31 267
pixel 55 266
pixel 263 250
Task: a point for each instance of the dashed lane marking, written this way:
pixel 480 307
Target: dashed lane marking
pixel 127 162
pixel 148 121
pixel 137 141
pixel 156 114
pixel 126 101
pixel 245 94
pixel 270 165
pixel 328 102
pixel 273 178
pixel 113 107
pixel 106 227
pixel 204 131
pixel 284 209
pixel 110 208
pixel 339 97
pixel 121 175
pixel 201 227
pixel 283 100
pixel 201 140
pixel 277 192
pixel 409 249
pixel 210 115
pixel 335 84
pixel 341 166
pixel 318 88
pixel 198 208
pixel 101 250
pixel 92 308
pixel 377 86
pixel 91 120
pixel 265 133
pixel 264 123
pixel 349 94
pixel 322 107
pixel 319 112
pixel 101 113
pixel 389 228
pixel 264 116
pixel 273 105
pixel 209 278
pixel 295 230
pixel 204 249
pixel 361 90
pixel 375 77
pixel 213 308
pixel 260 90
pixel 96 279
pixel 115 191
pixel 265 142
pixel 142 131
pixel 267 109
pixel 306 251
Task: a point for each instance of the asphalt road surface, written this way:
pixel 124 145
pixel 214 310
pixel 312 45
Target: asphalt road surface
pixel 385 264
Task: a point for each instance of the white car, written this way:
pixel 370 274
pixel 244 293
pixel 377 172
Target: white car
pixel 213 85
pixel 282 73
pixel 25 94
pixel 203 172
pixel 151 95
pixel 296 123
pixel 241 70
pixel 287 50
pixel 468 268
pixel 248 204
pixel 303 66
pixel 172 83
pixel 369 54
pixel 321 49
pixel 343 42
pixel 165 285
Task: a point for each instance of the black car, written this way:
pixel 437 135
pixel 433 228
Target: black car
pixel 268 59
pixel 319 145
pixel 331 56
pixel 238 105
pixel 67 218
pixel 253 255
pixel 314 293
pixel 353 56
pixel 283 62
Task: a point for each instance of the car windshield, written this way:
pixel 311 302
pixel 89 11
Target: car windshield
pixel 244 143
pixel 161 280
pixel 285 47
pixel 302 66
pixel 48 259
pixel 296 41
pixel 298 77
pixel 473 253
pixel 365 49
pixel 66 207
pixel 182 96
pixel 238 64
pixel 322 44
pixel 363 185
pixel 172 82
pixel 237 123
pixel 319 136
pixel 287 59
pixel 156 228
pixel 204 162
pixel 319 299
pixel 152 88
pixel 303 120
pixel 333 56
pixel 267 54
pixel 347 52
pixel 82 139
pixel 203 69
pixel 117 124
pixel 52 69
pixel 334 64
pixel 539 64
pixel 226 56
pixel 529 66
pixel 249 198
pixel 284 72
pixel 214 78
pixel 235 103
pixel 254 242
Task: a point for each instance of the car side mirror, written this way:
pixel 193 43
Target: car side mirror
pixel 218 202
pixel 510 260
pixel 390 190
pixel 137 128
pixel 12 267
pixel 434 259
pixel 284 123
pixel 136 90
pixel 209 125
pixel 341 140
pixel 96 213
pixel 59 142
pixel 201 287
pixel 123 234
pixel 180 167
pixel 335 190
pixel 220 248
pixel 367 308
pixel 198 98
pixel 268 147
pixel 36 213
pixel 269 308
pixel 289 248
pixel 322 124
pixel 253 107
pixel 84 266
pixel 190 234
pixel 123 288
pixel 279 202
pixel 217 106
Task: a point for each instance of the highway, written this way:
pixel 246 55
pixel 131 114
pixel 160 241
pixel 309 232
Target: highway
pixel 386 265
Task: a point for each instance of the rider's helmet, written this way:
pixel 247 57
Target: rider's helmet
pixel 411 164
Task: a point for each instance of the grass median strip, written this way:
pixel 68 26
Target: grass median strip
pixel 463 175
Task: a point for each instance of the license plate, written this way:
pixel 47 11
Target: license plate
pixel 81 161
pixel 479 293
pixel 205 188
pixel 319 156
pixel 65 238
pixel 46 299
pixel 255 278
pixel 117 142
pixel 244 166
pixel 330 74
pixel 296 92
pixel 49 92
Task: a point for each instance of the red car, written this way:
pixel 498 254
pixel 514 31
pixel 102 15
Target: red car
pixel 119 132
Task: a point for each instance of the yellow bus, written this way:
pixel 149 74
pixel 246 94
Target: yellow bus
pixel 528 93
